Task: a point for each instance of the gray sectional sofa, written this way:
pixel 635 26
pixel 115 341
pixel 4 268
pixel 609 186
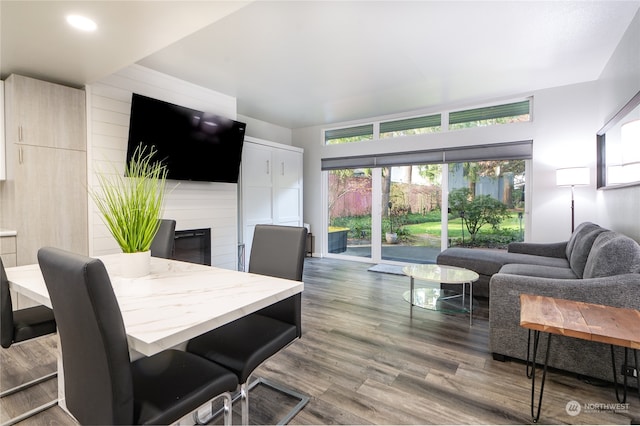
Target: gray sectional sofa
pixel 596 265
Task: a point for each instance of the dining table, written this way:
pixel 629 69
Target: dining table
pixel 174 303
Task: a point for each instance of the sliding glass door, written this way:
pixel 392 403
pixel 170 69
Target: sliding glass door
pixel 411 203
pixel 395 214
pixel 486 203
pixel 349 203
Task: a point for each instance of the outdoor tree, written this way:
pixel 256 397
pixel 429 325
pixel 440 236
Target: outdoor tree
pixel 344 183
pixel 473 171
pixel 477 211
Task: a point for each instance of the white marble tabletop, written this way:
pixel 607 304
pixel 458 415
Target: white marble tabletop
pixel 440 273
pixel 176 301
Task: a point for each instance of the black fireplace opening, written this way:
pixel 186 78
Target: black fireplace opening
pixel 193 245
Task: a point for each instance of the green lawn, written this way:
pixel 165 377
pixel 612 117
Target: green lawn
pixel 509 230
pixel 455 228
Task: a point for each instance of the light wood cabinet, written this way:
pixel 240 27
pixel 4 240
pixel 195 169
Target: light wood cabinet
pixel 44 197
pixel 271 187
pixel 8 251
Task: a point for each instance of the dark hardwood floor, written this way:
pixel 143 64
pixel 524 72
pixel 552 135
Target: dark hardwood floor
pixel 363 359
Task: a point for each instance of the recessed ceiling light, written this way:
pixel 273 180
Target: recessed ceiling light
pixel 81 23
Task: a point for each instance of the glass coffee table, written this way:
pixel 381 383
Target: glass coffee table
pixel 436 298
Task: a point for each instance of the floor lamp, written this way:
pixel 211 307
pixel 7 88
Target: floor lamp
pixel 572 176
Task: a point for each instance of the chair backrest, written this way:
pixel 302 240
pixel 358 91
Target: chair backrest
pixel 163 244
pixel 6 310
pixel 97 375
pixel 278 251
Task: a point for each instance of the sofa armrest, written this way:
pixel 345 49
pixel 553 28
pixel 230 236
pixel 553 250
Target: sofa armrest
pixel 540 249
pixel 508 339
pixel 619 290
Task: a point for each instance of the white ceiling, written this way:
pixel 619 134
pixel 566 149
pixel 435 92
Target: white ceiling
pixel 301 63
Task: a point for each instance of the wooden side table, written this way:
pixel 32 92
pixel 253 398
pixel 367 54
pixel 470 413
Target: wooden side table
pixel 587 321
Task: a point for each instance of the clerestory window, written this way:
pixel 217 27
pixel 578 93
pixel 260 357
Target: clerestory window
pixel 411 126
pixel 487 116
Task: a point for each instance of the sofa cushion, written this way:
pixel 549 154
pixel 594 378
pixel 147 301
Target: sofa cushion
pixel 538 271
pixel 482 261
pixel 612 254
pixel 581 230
pixel 581 249
pixel 488 262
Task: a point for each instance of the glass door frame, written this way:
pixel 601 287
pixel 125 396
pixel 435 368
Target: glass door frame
pixel 376 214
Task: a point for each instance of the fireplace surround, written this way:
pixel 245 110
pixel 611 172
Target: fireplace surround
pixel 193 245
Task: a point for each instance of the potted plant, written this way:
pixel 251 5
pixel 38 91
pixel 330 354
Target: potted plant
pixel 397 218
pixel 131 206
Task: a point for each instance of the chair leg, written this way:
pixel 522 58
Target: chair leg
pixel 304 399
pixel 243 395
pixel 225 410
pixel 28 384
pixel 228 414
pixel 244 403
pixel 30 413
pixel 36 410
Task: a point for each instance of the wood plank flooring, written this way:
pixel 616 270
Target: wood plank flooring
pixel 364 359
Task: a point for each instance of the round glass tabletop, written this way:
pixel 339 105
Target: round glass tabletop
pixel 440 273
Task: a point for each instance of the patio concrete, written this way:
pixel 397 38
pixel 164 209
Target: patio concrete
pixel 398 253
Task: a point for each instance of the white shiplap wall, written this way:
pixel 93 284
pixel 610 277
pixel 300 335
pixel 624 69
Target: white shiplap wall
pixel 192 204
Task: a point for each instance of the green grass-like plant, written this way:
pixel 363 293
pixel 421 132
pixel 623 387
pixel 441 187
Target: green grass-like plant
pixel 131 205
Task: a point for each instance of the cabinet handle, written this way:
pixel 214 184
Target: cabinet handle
pixel 20 155
pixel 268 167
pixel 282 168
pixel 19 133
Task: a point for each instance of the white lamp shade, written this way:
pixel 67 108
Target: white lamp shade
pixel 572 176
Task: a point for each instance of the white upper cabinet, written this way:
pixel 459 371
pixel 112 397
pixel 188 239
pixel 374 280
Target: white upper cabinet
pixel 271 187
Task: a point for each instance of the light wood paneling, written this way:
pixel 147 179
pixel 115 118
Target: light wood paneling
pixel 52 201
pixel 192 204
pixel 44 197
pixel 8 251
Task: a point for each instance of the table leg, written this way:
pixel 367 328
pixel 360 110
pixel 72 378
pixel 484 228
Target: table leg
pixel 464 292
pixel 615 374
pixel 470 304
pixel 536 340
pixel 411 297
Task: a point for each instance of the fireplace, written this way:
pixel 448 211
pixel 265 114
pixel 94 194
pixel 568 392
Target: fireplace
pixel 193 245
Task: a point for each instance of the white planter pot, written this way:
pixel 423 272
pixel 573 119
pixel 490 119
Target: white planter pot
pixel 391 237
pixel 135 265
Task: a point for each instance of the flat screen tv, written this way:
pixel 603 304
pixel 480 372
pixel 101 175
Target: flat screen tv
pixel 194 145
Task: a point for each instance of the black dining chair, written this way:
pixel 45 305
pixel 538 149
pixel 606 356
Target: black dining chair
pixel 241 346
pixel 102 385
pixel 19 326
pixel 163 244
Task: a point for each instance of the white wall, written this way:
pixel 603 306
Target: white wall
pixel 565 121
pixel 563 130
pixel 619 209
pixel 266 131
pixel 191 204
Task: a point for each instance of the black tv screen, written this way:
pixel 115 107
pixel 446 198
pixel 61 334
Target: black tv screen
pixel 194 145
